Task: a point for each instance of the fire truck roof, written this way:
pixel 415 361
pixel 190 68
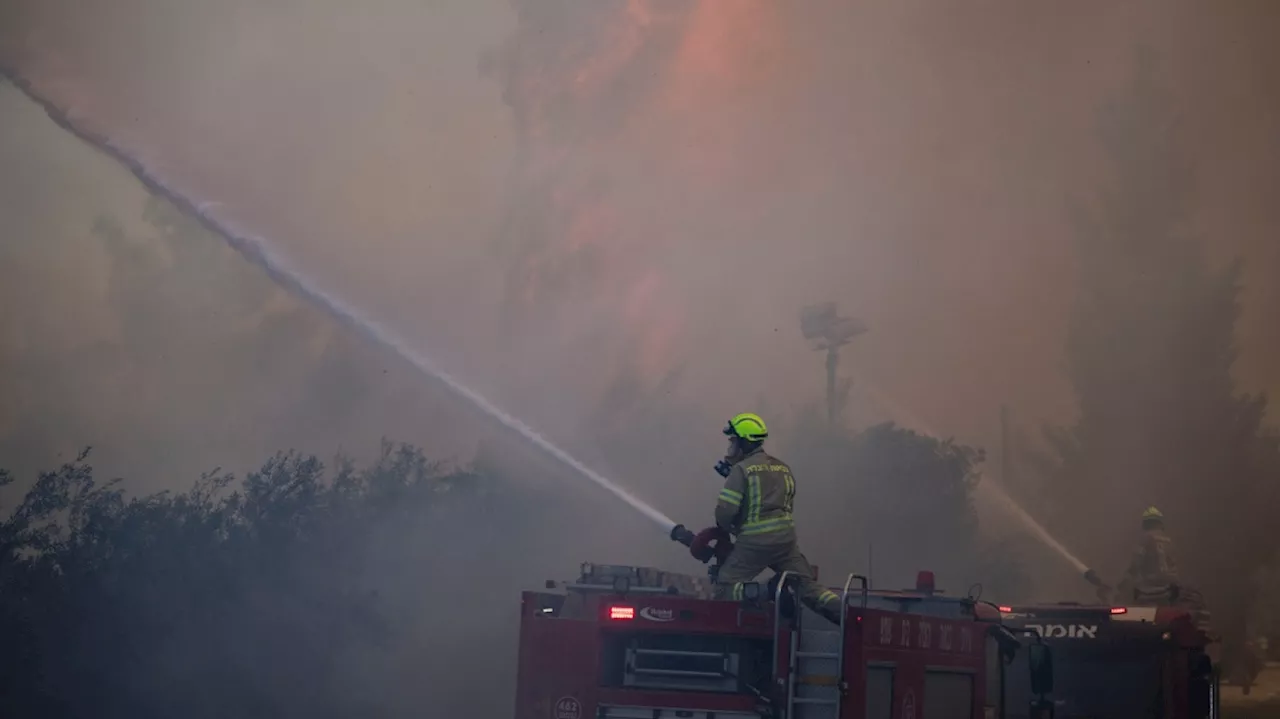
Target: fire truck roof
pixel 1100 622
pixel 1149 615
pixel 922 600
pixel 932 604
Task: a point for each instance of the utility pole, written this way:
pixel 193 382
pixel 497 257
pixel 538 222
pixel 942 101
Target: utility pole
pixel 833 357
pixel 1006 461
pixel 828 332
pixel 871 564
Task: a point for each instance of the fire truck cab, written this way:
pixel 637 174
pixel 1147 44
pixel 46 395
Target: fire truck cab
pixel 627 642
pixel 1123 661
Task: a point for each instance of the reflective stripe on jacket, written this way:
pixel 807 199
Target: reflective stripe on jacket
pixel 1153 562
pixel 758 496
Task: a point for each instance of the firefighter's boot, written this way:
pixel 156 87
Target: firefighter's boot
pixel 830 613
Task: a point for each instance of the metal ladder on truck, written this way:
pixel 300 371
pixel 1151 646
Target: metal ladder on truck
pixel 815 674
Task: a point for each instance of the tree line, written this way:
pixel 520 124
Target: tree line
pixel 1150 353
pixel 318 589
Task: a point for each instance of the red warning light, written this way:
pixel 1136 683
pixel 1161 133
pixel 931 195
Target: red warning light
pixel 1119 610
pixel 924 581
pixel 1005 610
pixel 622 612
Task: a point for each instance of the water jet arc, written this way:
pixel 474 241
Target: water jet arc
pixel 255 250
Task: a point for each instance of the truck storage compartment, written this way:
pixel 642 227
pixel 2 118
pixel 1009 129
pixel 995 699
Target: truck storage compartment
pixel 612 712
pixel 685 662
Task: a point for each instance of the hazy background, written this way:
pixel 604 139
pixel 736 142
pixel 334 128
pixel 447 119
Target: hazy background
pixel 605 216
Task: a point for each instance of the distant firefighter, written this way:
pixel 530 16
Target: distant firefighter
pixel 1152 577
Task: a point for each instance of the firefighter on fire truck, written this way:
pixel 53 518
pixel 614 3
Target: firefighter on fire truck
pixel 1152 577
pixel 755 506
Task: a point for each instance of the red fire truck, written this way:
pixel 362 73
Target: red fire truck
pixel 1123 661
pixel 627 642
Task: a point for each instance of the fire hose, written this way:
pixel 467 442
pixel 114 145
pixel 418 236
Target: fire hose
pixel 1105 591
pixel 706 545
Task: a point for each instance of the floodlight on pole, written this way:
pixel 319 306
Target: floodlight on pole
pixel 828 332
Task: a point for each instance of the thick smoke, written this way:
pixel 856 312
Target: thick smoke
pixel 605 216
pixel 718 145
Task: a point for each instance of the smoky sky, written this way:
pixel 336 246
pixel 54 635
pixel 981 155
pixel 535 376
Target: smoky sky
pixel 545 198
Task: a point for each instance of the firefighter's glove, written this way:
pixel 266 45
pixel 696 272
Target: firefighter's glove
pixel 723 468
pixel 709 544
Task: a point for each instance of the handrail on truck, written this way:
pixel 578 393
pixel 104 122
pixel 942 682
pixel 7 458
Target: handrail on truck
pixel 777 617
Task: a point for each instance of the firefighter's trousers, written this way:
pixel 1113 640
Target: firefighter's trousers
pixel 750 557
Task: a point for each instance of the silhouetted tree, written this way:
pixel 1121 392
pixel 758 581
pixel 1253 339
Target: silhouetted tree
pixel 1150 354
pixel 250 598
pixel 315 590
pixel 906 495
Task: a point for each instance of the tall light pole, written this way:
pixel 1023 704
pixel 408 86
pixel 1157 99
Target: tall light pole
pixel 828 332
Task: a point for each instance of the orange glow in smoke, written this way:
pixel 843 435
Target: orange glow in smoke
pixel 720 52
pixel 727 55
pixel 626 39
pixel 722 56
pixel 722 38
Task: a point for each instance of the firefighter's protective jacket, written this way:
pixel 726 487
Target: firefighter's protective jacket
pixel 757 500
pixel 755 505
pixel 1152 568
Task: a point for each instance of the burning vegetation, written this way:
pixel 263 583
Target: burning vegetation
pixel 619 116
pixel 634 122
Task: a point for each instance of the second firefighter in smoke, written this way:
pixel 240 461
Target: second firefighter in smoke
pixel 1152 575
